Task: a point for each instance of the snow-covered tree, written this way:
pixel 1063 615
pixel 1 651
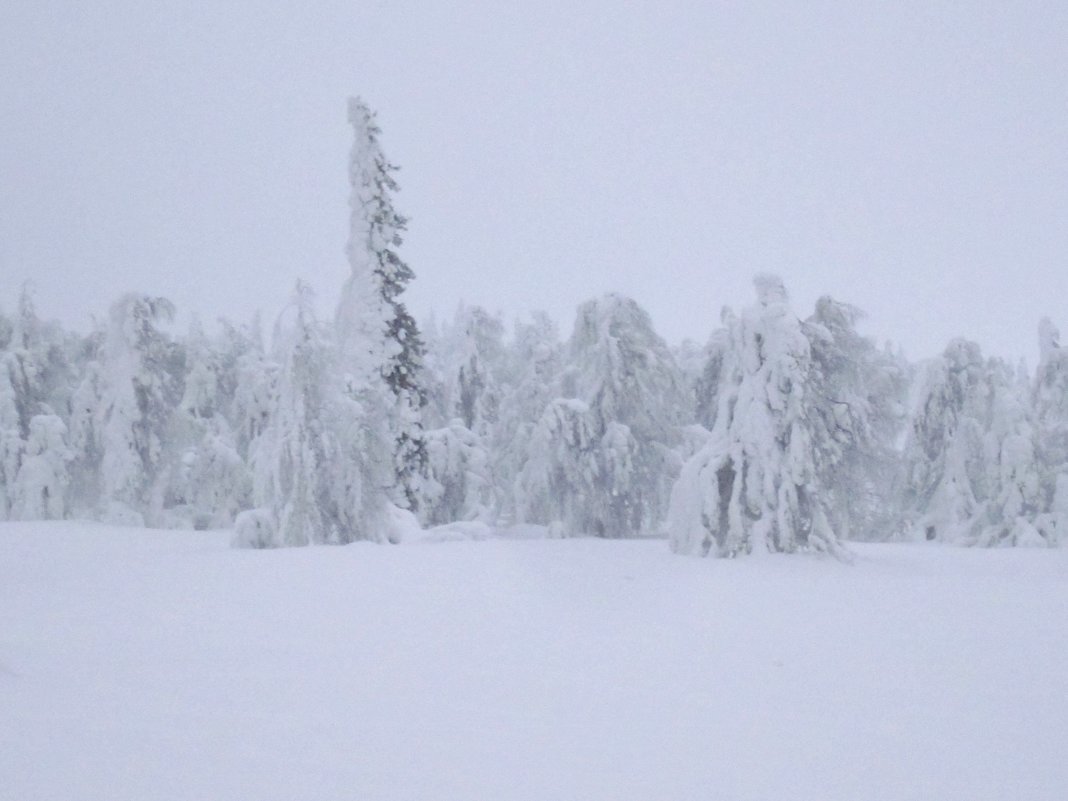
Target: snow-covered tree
pixel 603 450
pixel 1013 475
pixel 473 383
pixel 201 397
pixel 39 357
pixel 627 375
pixel 858 401
pixel 536 356
pixel 208 481
pixel 561 471
pixel 756 486
pixel 219 481
pixel 122 411
pixel 40 488
pixel 254 380
pixel 314 468
pixel 1050 403
pixel 37 376
pixel 460 484
pixel 468 361
pixel 706 384
pixel 690 358
pixel 85 436
pixel 12 444
pixel 944 451
pixel 378 338
pixel 971 474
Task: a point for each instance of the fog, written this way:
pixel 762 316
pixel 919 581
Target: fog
pixel 911 159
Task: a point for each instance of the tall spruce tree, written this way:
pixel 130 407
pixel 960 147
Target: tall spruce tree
pixel 378 338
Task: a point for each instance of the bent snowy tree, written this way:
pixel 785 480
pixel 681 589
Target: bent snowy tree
pixel 755 486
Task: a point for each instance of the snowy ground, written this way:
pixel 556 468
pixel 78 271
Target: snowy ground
pixel 159 665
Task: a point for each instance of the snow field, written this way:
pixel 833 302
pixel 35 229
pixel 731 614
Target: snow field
pixel 143 665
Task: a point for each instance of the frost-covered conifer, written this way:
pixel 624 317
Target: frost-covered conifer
pixel 1050 399
pixel 537 358
pixel 755 486
pixel 254 395
pixel 235 446
pixel 971 475
pixel 123 408
pixel 208 481
pixel 85 438
pixel 293 471
pixel 460 485
pixel 12 444
pixel 560 473
pixel 474 380
pixel 314 468
pixel 944 451
pixel 436 364
pixel 627 375
pixel 378 338
pixel 690 358
pixel 40 488
pixel 219 481
pixel 469 360
pixel 201 397
pixel 40 358
pixel 1013 504
pixel 707 383
pixel 602 452
pixel 39 364
pixel 27 361
pixel 858 397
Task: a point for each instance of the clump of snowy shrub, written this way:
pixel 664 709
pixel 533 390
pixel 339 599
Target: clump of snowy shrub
pixel 254 528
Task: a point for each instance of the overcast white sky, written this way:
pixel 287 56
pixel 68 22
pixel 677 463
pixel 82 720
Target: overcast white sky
pixel 909 157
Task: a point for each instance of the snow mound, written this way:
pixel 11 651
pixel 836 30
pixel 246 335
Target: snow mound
pixel 461 531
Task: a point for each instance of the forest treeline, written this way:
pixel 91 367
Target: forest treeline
pixel 782 432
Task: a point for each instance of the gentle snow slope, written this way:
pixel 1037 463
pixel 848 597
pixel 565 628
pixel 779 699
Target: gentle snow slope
pixel 154 665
